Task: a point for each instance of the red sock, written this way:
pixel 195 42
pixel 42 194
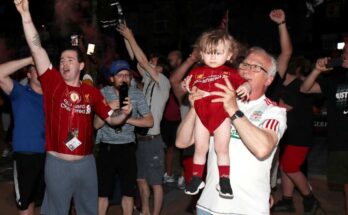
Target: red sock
pixel 224 171
pixel 197 169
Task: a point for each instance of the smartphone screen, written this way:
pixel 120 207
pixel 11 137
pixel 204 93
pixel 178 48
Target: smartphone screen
pixel 90 48
pixel 340 45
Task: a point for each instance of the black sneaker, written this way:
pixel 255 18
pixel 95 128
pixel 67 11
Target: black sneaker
pixel 284 205
pixel 224 188
pixel 194 186
pixel 310 205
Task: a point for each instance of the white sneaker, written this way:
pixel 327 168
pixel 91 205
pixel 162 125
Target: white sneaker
pixel 181 182
pixel 168 179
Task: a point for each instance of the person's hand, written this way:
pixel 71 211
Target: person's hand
pixel 22 6
pixel 196 94
pixel 185 84
pixel 194 56
pixel 320 65
pixel 228 97
pixel 114 104
pixel 127 109
pixel 243 92
pixel 277 16
pixel 124 31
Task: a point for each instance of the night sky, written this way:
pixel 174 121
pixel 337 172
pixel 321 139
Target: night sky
pixel 185 20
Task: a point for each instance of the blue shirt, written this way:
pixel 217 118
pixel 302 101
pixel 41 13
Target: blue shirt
pixel 29 123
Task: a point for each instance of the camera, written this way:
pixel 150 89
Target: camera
pixel 334 62
pixel 123 93
pixel 121 17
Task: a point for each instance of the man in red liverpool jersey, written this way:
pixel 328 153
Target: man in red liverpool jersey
pixel 69 109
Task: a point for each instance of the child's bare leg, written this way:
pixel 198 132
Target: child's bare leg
pixel 201 135
pixel 222 139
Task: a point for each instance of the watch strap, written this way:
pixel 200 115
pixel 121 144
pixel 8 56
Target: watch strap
pixel 237 114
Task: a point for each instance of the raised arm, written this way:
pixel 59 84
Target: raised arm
pixel 138 52
pixel 129 49
pixel 39 54
pixel 278 16
pixel 309 85
pixel 178 75
pixel 6 69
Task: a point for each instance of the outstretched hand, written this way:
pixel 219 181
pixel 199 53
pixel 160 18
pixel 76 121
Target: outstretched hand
pixel 195 55
pixel 185 84
pixel 277 16
pixel 22 6
pixel 196 94
pixel 124 31
pixel 321 64
pixel 227 96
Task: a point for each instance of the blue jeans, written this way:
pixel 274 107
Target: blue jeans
pixel 202 212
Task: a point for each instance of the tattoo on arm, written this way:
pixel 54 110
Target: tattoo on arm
pixel 36 40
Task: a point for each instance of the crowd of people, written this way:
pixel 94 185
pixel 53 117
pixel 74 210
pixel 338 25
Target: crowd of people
pixel 229 115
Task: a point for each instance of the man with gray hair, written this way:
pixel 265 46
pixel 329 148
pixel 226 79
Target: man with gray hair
pixel 257 126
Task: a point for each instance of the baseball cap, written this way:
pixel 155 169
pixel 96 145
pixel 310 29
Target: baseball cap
pixel 117 66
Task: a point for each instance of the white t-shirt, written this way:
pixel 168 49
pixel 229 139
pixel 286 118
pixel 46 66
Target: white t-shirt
pixel 249 176
pixel 160 95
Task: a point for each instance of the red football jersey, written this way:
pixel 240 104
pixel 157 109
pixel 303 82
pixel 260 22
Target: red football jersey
pixel 204 77
pixel 69 109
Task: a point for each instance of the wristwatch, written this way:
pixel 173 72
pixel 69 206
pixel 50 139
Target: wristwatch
pixel 237 114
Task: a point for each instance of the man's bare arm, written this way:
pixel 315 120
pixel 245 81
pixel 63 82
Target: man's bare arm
pixel 8 68
pixel 32 37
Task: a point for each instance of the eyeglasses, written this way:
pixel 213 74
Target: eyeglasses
pixel 252 67
pixel 123 75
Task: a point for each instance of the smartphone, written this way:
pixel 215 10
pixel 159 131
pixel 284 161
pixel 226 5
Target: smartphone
pixel 90 48
pixel 334 62
pixel 74 39
pixel 123 92
pixel 340 45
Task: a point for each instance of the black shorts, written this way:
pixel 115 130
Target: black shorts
pixel 168 131
pixel 28 174
pixel 116 159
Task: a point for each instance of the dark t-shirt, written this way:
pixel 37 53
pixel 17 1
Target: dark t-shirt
pixel 335 89
pixel 273 91
pixel 299 118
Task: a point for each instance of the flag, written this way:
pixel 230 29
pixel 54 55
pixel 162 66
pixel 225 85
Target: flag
pixel 224 21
